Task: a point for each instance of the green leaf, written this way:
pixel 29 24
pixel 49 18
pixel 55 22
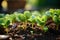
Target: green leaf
pixel 22 17
pixel 32 19
pixel 56 19
pixel 44 18
pixel 38 20
pixel 7 23
pixel 1 21
pixel 27 14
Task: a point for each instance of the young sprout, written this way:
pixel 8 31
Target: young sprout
pixel 41 20
pixel 55 16
pixel 38 20
pixel 12 18
pixel 5 23
pixel 32 19
pixel 16 14
pixel 44 18
pixel 22 19
pixel 27 15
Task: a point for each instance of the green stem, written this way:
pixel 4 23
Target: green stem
pixel 32 25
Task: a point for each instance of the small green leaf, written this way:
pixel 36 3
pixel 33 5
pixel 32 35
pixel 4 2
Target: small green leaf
pixel 56 19
pixel 27 14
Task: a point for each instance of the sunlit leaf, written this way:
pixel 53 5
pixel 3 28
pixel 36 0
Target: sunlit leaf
pixel 27 14
pixel 22 17
pixel 56 19
pixel 32 19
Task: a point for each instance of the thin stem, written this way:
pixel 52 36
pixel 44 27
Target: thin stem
pixel 32 25
pixel 24 25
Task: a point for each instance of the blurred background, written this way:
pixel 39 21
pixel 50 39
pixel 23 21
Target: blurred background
pixel 7 6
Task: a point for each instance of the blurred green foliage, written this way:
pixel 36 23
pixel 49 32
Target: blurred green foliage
pixel 44 3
